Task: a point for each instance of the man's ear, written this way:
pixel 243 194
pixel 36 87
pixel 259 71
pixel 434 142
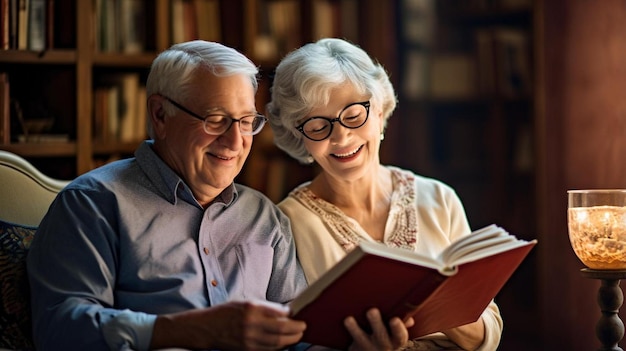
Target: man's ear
pixel 156 113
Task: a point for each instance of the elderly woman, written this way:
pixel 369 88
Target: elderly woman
pixel 330 103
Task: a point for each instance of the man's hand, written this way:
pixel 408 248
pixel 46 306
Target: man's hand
pixel 231 326
pixel 380 339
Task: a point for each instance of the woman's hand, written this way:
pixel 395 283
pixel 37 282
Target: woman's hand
pixel 381 338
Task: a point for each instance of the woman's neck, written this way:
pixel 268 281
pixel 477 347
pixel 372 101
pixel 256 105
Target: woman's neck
pixel 366 200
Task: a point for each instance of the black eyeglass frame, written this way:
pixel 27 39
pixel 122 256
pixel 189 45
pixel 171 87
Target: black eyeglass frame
pixel 332 121
pixel 232 120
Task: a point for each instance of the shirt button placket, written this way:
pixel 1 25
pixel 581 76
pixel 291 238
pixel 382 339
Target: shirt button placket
pixel 216 290
pixel 206 252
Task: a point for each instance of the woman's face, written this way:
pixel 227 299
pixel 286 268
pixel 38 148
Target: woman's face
pixel 347 154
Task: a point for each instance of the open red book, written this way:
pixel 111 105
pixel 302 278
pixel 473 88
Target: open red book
pixel 440 293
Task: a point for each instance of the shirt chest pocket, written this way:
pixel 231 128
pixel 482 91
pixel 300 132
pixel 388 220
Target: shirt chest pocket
pixel 255 263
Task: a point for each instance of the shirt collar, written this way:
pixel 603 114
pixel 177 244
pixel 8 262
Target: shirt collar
pixel 168 183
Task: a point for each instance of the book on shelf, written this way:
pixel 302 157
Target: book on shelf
pixel 120 26
pixel 177 20
pixel 133 26
pixel 503 62
pixel 4 24
pixel 440 292
pixel 485 61
pixel 22 24
pixel 195 19
pixel 208 19
pixel 49 31
pixel 5 109
pixel 332 18
pixel 119 108
pixel 13 27
pixel 326 19
pixel 106 38
pixel 452 76
pixel 418 22
pixel 513 60
pixel 278 29
pixel 37 25
pixel 416 79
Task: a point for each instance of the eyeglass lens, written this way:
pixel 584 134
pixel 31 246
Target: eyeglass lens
pixel 218 124
pixel 319 128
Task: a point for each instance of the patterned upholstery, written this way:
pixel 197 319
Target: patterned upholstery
pixel 25 195
pixel 15 320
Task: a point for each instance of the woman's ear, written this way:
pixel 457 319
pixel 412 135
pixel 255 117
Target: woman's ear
pixel 156 113
pixel 381 120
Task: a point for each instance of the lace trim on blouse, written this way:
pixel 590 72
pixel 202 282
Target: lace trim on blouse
pixel 346 231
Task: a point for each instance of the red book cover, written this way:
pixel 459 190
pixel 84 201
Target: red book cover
pixel 437 298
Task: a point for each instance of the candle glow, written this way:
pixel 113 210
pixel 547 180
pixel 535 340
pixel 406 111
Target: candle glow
pixel 598 235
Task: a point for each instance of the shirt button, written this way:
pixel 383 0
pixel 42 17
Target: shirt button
pixel 214 282
pixel 206 250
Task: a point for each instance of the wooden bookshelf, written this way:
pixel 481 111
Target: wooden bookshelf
pixel 468 83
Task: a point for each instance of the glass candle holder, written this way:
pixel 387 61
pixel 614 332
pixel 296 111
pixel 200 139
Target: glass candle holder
pixel 596 221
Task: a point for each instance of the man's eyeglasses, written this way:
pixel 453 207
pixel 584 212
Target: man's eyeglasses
pixel 352 116
pixel 216 124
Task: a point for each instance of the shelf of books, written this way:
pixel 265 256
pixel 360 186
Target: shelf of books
pixel 468 81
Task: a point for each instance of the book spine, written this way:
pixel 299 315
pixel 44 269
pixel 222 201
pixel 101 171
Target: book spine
pixel 4 24
pixel 22 25
pixel 13 10
pixel 49 24
pixel 37 25
pixel 5 110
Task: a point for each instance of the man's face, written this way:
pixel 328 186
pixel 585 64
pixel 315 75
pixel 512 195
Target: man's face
pixel 208 163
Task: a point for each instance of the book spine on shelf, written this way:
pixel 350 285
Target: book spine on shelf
pixel 22 24
pixel 5 110
pixel 4 24
pixel 37 25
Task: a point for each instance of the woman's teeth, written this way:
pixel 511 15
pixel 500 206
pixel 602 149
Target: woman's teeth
pixel 349 153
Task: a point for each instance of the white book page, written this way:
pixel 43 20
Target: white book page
pixel 400 254
pixel 505 246
pixel 479 249
pixel 479 240
pixel 479 235
pixel 481 243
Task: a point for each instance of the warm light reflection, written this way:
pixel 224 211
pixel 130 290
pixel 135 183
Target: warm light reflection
pixel 598 236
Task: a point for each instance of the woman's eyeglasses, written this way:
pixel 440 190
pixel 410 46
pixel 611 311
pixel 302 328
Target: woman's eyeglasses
pixel 352 116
